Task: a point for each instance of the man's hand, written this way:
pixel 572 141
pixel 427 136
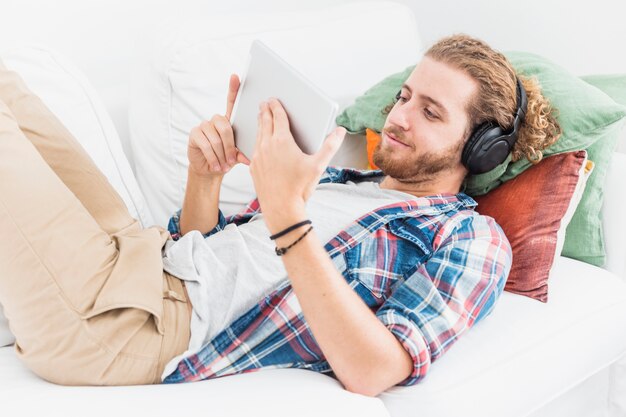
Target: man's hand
pixel 212 153
pixel 211 149
pixel 284 176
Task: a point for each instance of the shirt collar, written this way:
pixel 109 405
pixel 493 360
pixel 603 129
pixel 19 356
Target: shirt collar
pixel 442 202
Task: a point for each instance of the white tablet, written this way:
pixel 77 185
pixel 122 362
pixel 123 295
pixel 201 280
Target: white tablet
pixel 311 112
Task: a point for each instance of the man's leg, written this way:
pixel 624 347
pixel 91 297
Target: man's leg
pixel 64 154
pixel 86 307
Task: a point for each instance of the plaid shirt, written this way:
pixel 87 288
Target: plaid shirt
pixel 429 268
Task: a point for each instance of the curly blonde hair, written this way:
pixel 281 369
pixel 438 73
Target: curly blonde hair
pixel 496 99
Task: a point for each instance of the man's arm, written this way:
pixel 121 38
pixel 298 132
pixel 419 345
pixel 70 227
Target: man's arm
pixel 200 208
pixel 364 355
pixel 423 317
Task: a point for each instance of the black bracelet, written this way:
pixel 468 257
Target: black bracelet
pixel 282 251
pixel 289 229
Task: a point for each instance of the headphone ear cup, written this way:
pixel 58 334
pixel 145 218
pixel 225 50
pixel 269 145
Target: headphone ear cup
pixel 489 145
pixel 473 143
pixel 485 149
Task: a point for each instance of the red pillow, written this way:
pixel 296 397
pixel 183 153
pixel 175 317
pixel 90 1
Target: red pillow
pixel 531 208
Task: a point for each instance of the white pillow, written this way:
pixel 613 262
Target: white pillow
pixel 71 98
pixel 613 220
pixel 181 73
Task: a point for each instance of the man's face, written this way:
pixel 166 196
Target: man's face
pixel 425 131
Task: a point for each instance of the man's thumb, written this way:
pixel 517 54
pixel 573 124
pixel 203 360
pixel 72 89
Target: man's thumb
pixel 331 145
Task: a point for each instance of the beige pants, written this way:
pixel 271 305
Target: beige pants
pixel 82 284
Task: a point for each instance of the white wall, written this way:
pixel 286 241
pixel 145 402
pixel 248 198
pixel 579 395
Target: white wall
pixel 584 36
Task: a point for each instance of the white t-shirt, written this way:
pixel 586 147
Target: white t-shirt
pixel 229 272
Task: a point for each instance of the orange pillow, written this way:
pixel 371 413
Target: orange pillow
pixel 373 138
pixel 534 209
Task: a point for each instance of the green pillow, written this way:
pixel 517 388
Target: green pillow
pixel 590 120
pixel 613 85
pixel 367 110
pixel 587 218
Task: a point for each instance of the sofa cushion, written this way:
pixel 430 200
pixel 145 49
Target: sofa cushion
pixel 181 73
pixel 517 345
pixel 265 393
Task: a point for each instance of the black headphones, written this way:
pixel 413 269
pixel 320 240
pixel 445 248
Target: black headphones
pixel 488 145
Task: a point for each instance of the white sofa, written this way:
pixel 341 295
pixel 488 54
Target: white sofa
pixel 526 359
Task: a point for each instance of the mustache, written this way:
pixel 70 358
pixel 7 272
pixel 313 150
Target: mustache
pixel 397 133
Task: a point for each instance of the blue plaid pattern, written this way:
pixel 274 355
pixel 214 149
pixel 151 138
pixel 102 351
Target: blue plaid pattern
pixel 430 268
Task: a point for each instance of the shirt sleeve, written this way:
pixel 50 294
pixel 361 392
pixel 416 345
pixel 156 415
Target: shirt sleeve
pixel 242 217
pixel 446 295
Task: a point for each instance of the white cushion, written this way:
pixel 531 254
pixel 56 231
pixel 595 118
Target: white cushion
pixel 617 399
pixel 613 219
pixel 70 96
pixel 266 393
pixel 621 144
pixel 182 70
pixel 527 352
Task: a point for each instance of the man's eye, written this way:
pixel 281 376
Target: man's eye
pixel 400 98
pixel 429 114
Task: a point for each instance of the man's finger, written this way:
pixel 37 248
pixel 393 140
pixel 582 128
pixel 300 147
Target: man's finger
pixel 233 88
pixel 279 116
pixel 267 121
pixel 260 129
pixel 201 141
pixel 225 131
pixel 259 126
pixel 331 145
pixel 213 138
pixel 242 158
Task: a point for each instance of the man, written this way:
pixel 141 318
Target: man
pixel 393 267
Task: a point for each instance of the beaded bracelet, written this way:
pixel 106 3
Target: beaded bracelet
pixel 282 251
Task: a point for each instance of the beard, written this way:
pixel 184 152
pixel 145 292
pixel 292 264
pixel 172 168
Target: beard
pixel 416 167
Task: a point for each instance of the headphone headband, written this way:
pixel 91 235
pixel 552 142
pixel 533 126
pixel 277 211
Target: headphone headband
pixel 522 104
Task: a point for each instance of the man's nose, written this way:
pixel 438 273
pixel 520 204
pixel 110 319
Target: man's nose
pixel 400 116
